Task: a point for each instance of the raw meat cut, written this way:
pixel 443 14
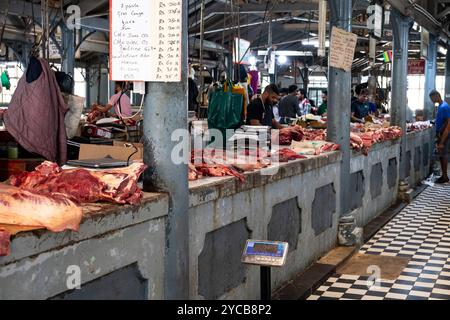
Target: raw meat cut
pixel 286 154
pixel 313 147
pixel 286 135
pixel 113 185
pixel 55 212
pixel 192 172
pixel 94 116
pixel 4 243
pixel 218 170
pixel 314 134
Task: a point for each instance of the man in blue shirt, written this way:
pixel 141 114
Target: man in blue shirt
pixel 442 118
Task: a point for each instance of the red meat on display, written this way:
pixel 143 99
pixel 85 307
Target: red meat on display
pixel 114 185
pixel 285 155
pixel 286 135
pixel 55 212
pixel 4 243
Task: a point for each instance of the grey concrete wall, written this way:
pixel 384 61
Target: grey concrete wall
pixel 420 145
pixel 41 263
pixel 373 202
pixel 216 207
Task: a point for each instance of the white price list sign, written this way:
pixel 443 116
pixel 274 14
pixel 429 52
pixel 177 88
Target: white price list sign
pixel 145 40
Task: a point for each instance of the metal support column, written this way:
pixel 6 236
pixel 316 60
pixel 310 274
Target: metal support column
pixel 400 27
pixel 447 76
pixel 68 57
pixel 430 78
pixel 165 113
pixel 339 100
pixel 88 86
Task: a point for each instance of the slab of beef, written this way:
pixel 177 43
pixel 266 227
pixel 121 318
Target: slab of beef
pixel 286 154
pixel 112 185
pixel 4 243
pixel 218 170
pixel 55 212
pixel 314 134
pixel 94 116
pixel 285 136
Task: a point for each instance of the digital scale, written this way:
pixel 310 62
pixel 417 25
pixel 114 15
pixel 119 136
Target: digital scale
pixel 266 254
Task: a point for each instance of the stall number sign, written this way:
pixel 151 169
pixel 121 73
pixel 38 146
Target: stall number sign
pixel 145 40
pixel 265 253
pixel 416 66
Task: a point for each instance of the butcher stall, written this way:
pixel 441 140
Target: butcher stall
pixel 114 244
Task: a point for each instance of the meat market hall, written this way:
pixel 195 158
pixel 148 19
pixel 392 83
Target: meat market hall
pixel 225 154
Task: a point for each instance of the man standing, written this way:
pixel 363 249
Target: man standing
pixel 305 106
pixel 259 111
pixel 324 105
pixel 442 141
pixel 360 108
pixel 289 107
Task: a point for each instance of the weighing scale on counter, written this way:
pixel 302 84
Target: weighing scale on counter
pixel 243 137
pixel 265 254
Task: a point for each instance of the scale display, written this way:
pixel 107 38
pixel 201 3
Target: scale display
pixel 265 253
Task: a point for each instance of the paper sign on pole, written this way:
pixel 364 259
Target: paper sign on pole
pixel 145 40
pixel 342 49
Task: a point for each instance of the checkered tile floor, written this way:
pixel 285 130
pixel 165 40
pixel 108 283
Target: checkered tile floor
pixel 420 232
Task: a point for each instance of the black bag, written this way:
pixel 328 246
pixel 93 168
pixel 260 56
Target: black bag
pixel 65 82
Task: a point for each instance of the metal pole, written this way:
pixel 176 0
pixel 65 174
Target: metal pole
pixel 322 28
pixel 447 76
pixel 202 37
pixel 68 59
pixel 339 87
pixel 266 285
pixel 165 113
pixel 88 86
pixel 400 27
pixel 430 78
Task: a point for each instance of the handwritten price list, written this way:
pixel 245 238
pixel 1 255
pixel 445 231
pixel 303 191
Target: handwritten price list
pixel 145 40
pixel 342 49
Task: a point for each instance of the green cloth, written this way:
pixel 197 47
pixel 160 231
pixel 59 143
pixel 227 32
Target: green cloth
pixel 5 80
pixel 322 109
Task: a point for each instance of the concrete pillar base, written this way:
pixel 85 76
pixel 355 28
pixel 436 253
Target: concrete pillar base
pixel 404 191
pixel 348 233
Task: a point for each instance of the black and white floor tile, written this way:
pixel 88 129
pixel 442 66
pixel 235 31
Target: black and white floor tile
pixel 421 232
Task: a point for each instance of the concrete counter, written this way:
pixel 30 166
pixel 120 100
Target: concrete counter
pixel 117 244
pixel 119 251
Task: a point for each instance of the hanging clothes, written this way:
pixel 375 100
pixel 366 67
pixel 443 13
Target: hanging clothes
pixel 254 80
pixel 35 116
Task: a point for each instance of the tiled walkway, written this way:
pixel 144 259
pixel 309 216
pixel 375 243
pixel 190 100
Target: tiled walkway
pixel 421 232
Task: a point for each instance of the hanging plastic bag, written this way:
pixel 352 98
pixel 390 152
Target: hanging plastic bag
pixel 225 109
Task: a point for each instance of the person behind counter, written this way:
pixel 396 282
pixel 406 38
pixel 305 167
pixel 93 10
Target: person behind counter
pixel 289 107
pixel 324 105
pixel 124 108
pixel 276 108
pixel 442 141
pixel 360 107
pixel 260 112
pixel 305 106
